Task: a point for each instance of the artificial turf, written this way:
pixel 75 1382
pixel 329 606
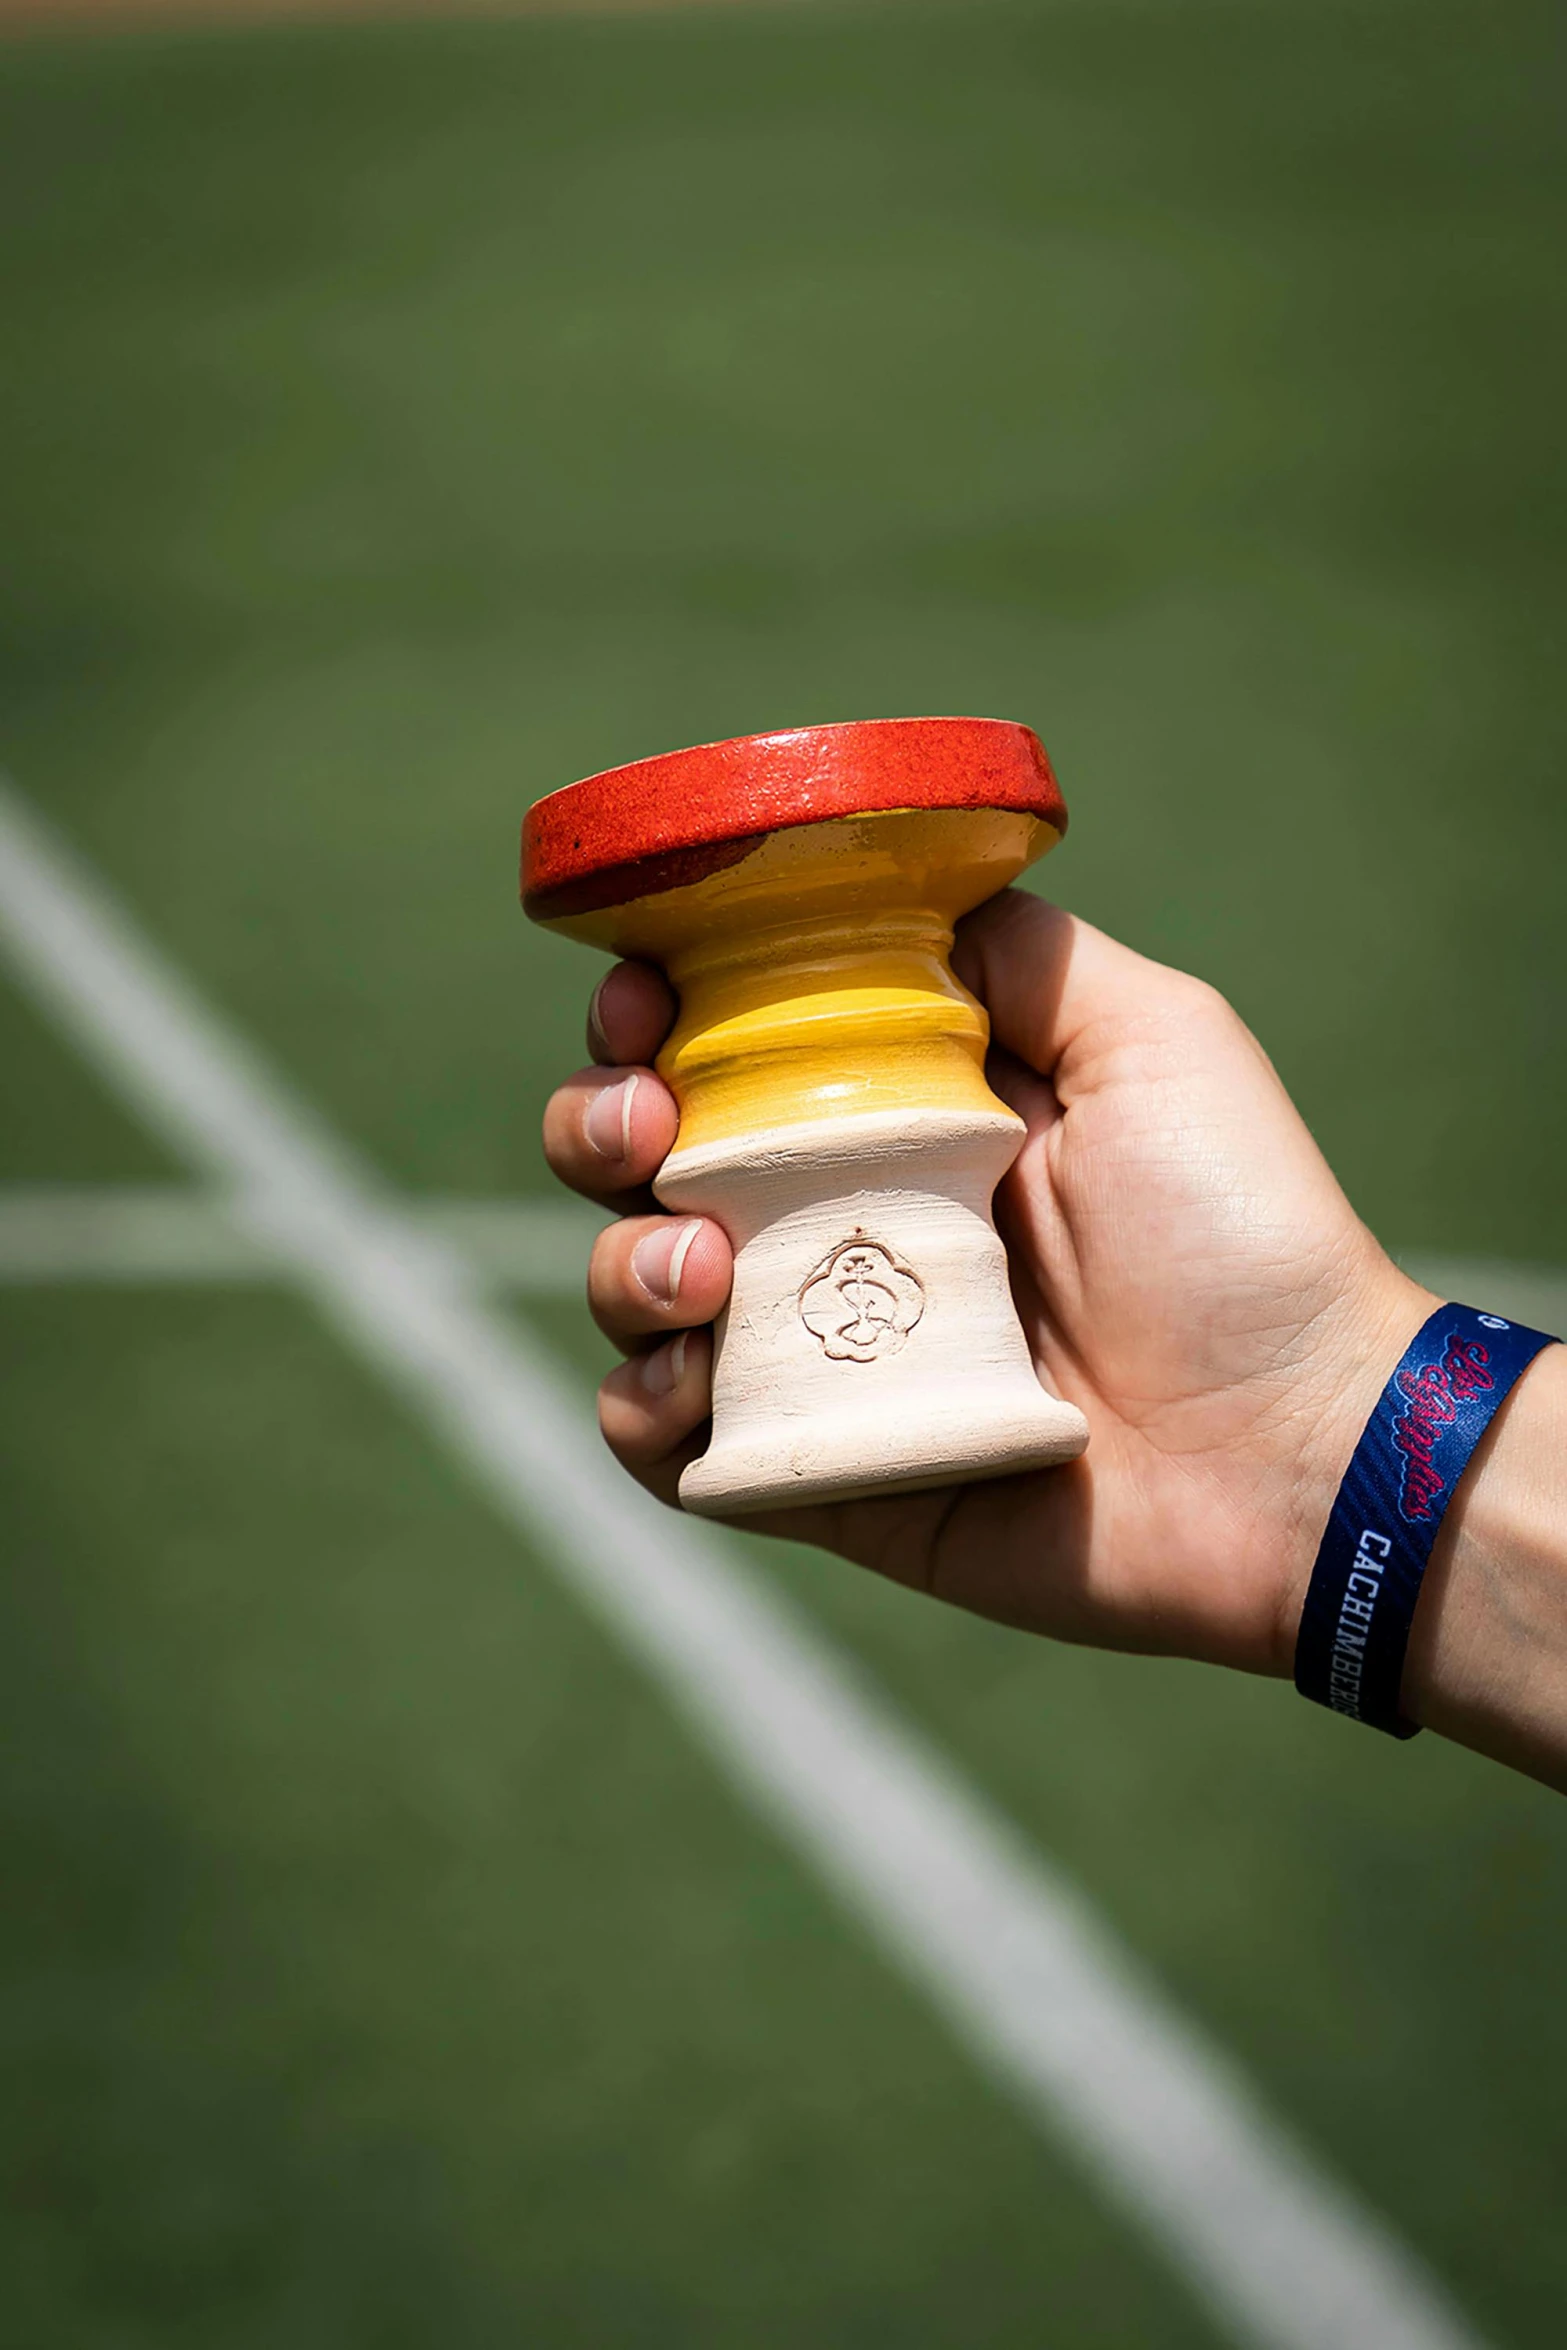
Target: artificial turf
pixel 399 421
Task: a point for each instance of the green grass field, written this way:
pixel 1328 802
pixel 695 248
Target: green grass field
pixel 398 422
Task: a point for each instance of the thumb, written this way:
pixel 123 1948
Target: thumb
pixel 1048 978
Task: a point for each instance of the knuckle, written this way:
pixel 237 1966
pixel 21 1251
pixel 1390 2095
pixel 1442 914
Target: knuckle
pixel 1201 1000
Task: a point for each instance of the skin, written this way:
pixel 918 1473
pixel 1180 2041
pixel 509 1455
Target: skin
pixel 1189 1273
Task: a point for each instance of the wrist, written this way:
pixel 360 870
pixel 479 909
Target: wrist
pixel 1360 1342
pixel 1487 1660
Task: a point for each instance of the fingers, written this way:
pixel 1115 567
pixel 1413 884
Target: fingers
pixel 608 1131
pixel 653 1409
pixel 632 1011
pixel 652 1275
pixel 1052 983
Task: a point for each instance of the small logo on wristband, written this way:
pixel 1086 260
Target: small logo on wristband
pixel 1432 1394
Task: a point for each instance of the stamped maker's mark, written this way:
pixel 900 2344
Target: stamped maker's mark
pixel 861 1301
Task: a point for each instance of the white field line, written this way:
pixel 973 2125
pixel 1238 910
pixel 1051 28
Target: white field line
pixel 137 1234
pixel 1043 1994
pixel 122 1234
pixel 540 1247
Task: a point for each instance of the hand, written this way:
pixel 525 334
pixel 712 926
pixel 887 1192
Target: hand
pixel 1186 1269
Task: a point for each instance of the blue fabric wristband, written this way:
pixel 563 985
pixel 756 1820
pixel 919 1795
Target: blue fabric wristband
pixel 1354 1628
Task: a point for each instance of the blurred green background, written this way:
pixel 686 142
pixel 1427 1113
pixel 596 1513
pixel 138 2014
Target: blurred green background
pixel 398 421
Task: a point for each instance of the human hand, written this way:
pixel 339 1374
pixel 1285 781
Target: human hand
pixel 1186 1269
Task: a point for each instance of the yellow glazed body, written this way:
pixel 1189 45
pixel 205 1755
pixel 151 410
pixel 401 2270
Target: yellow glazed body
pixel 813 972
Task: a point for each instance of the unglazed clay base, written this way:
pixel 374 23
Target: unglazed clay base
pixel 871 1344
pixel 800 891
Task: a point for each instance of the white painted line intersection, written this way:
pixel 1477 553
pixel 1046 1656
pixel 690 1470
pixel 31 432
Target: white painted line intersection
pixel 1058 2012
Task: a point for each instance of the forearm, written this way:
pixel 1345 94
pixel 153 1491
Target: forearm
pixel 1487 1662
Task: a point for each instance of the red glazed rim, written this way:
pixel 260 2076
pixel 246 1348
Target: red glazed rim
pixel 661 823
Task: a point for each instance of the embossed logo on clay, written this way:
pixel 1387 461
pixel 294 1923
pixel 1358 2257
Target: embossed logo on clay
pixel 861 1302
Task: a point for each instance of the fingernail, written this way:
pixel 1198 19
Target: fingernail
pixel 664 1368
pixel 659 1259
pixel 596 1034
pixel 607 1123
